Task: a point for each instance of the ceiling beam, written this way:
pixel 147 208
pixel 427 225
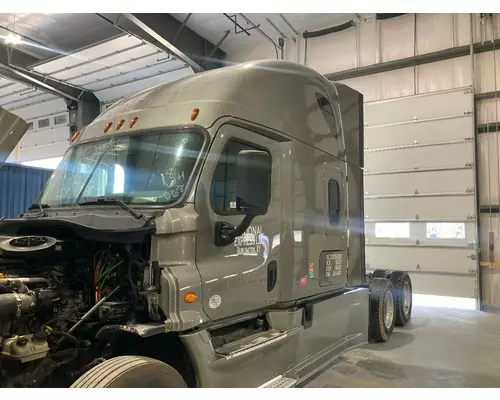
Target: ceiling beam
pixel 12 66
pixel 163 31
pixel 12 55
pixel 168 45
pixel 47 84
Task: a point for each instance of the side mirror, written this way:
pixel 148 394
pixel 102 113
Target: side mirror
pixel 253 182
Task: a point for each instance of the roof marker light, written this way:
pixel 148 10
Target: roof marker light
pixel 120 124
pixel 75 136
pixel 133 121
pixel 194 114
pixel 107 126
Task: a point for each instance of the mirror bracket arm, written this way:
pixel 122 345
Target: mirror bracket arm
pixel 225 233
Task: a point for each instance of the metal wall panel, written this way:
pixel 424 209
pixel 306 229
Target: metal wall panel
pixel 419 160
pixel 19 188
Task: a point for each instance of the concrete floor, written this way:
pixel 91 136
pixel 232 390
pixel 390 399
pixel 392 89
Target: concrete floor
pixel 439 348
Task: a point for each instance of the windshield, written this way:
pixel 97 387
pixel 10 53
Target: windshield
pixel 138 169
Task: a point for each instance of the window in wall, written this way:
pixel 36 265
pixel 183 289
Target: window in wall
pixel 119 181
pixel 327 110
pixel 392 230
pixel 223 193
pixel 60 119
pixel 333 202
pixel 43 123
pixel 445 230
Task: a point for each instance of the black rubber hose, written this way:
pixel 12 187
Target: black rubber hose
pixel 5 289
pixel 387 16
pixel 65 335
pixel 327 31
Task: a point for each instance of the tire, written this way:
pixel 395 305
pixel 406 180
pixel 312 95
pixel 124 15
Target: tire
pixel 382 309
pixel 381 273
pixel 403 296
pixel 131 372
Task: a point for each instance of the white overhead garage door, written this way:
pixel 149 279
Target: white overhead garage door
pixel 420 191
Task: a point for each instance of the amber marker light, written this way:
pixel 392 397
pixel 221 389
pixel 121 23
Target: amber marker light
pixel 107 126
pixel 133 121
pixel 190 297
pixel 194 114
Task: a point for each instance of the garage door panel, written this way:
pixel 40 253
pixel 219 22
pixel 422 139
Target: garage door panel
pixel 444 285
pixel 405 109
pixel 425 207
pixel 428 132
pixel 47 151
pixel 445 181
pixel 44 137
pixel 424 259
pixel 433 233
pixel 419 183
pixel 461 286
pixel 444 156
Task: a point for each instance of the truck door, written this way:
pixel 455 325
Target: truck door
pixel 333 258
pixel 242 276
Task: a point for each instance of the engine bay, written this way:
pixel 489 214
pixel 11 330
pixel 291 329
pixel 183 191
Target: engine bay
pixel 59 295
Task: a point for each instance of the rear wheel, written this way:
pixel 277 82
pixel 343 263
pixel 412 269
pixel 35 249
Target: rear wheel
pixel 403 296
pixel 131 372
pixel 382 309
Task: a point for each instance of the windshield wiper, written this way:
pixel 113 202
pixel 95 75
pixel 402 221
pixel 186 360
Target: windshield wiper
pixel 41 207
pixel 113 200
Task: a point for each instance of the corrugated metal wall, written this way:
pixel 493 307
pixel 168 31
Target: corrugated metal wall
pixel 19 188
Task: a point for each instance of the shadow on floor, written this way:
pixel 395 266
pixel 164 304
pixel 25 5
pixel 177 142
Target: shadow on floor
pixel 374 372
pixel 439 348
pixel 398 339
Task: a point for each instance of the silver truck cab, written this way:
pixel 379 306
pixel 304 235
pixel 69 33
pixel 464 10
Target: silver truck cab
pixel 235 198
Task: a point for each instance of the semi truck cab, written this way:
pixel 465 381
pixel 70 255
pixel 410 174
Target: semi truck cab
pixel 208 229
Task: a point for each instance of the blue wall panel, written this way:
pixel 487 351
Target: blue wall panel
pixel 19 188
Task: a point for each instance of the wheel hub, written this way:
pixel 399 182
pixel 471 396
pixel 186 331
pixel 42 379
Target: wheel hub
pixel 406 298
pixel 388 309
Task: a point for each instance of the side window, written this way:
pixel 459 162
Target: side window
pixel 333 202
pixel 327 110
pixel 223 191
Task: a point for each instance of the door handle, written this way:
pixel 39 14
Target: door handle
pixel 272 275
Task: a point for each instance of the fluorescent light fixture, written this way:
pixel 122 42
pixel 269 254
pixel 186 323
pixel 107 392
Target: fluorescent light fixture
pixel 13 39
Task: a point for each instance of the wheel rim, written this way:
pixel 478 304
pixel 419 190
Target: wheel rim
pixel 406 298
pixel 388 309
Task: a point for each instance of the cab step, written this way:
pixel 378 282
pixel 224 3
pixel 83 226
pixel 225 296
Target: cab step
pixel 280 382
pixel 251 343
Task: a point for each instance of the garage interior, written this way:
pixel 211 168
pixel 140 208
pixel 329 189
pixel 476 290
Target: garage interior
pixel 431 147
